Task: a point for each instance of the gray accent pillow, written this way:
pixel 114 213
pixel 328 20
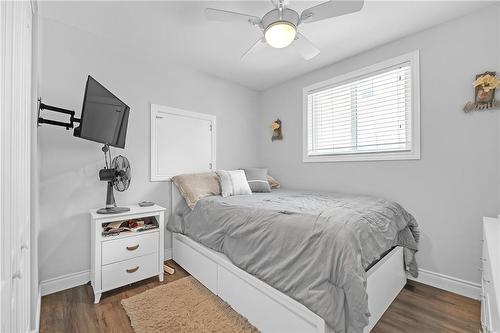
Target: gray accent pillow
pixel 257 179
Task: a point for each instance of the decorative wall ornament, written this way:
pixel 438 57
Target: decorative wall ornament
pixel 484 92
pixel 276 127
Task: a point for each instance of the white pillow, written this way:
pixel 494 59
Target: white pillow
pixel 233 182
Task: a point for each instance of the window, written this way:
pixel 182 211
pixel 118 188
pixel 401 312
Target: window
pixel 369 114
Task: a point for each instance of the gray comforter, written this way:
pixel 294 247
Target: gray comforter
pixel 314 247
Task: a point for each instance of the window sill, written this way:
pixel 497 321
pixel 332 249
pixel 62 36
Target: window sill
pixel 355 157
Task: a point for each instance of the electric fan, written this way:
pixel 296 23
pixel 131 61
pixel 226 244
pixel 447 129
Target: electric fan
pixel 117 176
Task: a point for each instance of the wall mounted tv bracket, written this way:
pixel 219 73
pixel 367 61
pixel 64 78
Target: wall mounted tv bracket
pixel 67 125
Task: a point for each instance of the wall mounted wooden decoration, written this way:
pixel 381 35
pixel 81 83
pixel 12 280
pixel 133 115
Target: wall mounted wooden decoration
pixel 277 130
pixel 484 92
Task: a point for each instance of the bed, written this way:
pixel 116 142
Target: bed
pixel 293 261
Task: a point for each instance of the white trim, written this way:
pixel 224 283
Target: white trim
pixel 448 283
pixel 167 254
pixel 64 282
pixel 16 79
pixel 437 280
pixel 414 154
pixel 36 329
pixel 160 111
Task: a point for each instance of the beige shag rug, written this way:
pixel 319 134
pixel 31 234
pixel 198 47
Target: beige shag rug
pixel 183 306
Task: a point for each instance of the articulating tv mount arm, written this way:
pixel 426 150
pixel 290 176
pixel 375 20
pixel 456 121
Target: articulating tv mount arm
pixel 71 113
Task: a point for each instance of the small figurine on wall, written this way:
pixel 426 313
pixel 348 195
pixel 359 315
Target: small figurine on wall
pixel 484 93
pixel 276 127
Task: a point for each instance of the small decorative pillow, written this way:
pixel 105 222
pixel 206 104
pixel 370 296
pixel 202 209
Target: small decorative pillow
pixel 194 186
pixel 257 179
pixel 273 182
pixel 233 183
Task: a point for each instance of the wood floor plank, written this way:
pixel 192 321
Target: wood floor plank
pixel 422 308
pixel 417 309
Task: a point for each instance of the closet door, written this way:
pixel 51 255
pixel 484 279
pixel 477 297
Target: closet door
pixel 177 132
pixel 15 144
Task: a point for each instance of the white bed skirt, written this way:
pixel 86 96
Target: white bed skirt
pixel 269 309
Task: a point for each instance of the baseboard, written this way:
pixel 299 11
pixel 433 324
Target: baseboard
pixel 67 281
pixel 437 280
pixel 449 283
pixel 167 254
pixel 36 329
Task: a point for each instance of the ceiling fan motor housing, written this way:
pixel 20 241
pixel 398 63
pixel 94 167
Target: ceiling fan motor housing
pixel 288 15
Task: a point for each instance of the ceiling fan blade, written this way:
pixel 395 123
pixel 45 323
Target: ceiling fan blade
pixel 259 44
pixel 220 15
pixel 305 47
pixel 330 9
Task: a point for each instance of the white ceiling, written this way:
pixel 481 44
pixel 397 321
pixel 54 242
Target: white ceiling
pixel 177 31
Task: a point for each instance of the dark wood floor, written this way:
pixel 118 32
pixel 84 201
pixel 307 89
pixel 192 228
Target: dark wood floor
pixel 418 308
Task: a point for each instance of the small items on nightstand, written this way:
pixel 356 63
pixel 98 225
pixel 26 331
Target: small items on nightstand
pixel 146 203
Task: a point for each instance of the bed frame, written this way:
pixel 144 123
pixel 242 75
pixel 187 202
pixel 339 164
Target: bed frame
pixel 267 308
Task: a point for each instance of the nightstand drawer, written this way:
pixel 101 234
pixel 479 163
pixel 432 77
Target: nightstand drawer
pixel 128 271
pixel 129 247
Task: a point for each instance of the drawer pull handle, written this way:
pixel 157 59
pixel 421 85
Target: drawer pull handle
pixel 133 248
pixel 132 270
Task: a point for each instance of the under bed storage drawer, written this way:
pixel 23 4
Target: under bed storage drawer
pixel 198 265
pixel 384 281
pixel 128 271
pixel 258 302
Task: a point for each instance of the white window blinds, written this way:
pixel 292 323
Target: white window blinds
pixel 365 114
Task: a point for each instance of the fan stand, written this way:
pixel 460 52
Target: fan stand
pixel 111 204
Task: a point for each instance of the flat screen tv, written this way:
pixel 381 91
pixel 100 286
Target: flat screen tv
pixel 104 116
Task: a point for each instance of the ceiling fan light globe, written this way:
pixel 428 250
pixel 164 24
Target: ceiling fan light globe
pixel 280 34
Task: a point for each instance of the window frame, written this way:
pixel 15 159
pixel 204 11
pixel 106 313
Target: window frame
pixel 413 123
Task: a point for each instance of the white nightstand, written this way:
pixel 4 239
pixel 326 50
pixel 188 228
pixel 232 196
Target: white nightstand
pixel 127 257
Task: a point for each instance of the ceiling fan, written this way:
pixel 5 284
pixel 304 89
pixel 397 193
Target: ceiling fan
pixel 279 26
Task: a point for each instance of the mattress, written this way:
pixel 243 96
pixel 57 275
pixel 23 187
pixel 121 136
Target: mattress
pixel 314 247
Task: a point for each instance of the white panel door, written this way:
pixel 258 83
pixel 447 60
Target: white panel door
pixel 181 142
pixel 184 144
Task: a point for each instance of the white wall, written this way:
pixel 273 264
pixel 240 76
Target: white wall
pixel 454 184
pixel 456 181
pixel 69 166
